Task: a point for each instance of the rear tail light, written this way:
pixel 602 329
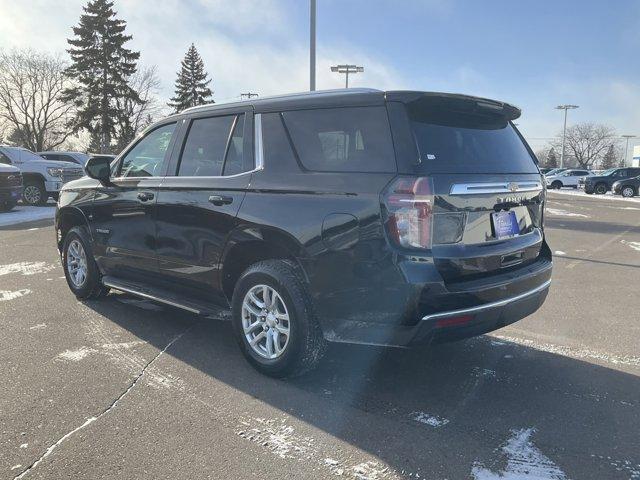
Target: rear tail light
pixel 408 211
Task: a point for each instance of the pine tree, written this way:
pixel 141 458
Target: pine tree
pixel 101 66
pixel 609 159
pixel 192 86
pixel 552 159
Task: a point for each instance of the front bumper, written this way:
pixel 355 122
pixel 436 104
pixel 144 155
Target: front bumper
pixel 53 185
pixel 10 193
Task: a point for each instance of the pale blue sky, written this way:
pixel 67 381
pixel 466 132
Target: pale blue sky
pixel 535 54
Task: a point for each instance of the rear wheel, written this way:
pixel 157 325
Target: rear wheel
pixel 7 206
pixel 601 189
pixel 274 321
pixel 556 185
pixel 34 193
pixel 628 192
pixel 80 269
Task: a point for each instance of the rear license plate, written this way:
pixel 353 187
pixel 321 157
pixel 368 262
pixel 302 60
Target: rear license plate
pixel 505 224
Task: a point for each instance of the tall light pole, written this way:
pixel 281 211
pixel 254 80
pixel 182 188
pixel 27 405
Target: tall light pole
pixel 626 148
pixel 312 45
pixel 347 69
pixel 564 130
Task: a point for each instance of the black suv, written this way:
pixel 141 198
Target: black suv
pixel 10 186
pixel 380 218
pixel 603 182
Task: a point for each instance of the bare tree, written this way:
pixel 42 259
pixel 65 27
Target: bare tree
pixel 135 116
pixel 586 143
pixel 31 105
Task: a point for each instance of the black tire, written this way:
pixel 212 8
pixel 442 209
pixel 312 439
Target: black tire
pixel 92 287
pixel 601 189
pixel 306 344
pixel 34 193
pixel 557 185
pixel 627 191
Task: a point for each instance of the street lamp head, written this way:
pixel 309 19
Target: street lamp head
pixel 567 107
pixel 628 136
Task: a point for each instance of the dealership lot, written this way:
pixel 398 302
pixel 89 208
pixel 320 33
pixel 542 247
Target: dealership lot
pixel 127 388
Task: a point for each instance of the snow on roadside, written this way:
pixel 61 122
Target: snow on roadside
pixel 524 461
pixel 6 295
pixel 24 213
pixel 607 196
pixel 563 213
pixel 634 245
pixel 427 419
pixel 26 268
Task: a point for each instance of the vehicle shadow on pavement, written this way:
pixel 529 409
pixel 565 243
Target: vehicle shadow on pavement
pixel 434 411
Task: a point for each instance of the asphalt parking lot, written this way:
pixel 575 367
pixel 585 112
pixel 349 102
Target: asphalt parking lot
pixel 124 388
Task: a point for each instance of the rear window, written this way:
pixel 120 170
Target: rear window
pixel 349 139
pixel 457 142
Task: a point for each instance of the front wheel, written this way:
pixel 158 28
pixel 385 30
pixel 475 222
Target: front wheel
pixel 601 189
pixel 34 193
pixel 628 192
pixel 7 206
pixel 274 321
pixel 80 269
pixel 557 185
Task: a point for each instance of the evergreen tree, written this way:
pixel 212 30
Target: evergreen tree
pixel 101 66
pixel 192 86
pixel 609 159
pixel 552 159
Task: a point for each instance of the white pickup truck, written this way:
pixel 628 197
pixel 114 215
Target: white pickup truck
pixel 41 178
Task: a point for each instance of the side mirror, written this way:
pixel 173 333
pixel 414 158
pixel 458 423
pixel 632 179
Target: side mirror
pixel 99 167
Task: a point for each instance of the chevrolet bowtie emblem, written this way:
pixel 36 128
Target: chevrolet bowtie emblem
pixel 513 187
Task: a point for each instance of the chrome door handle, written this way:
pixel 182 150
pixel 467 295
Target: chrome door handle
pixel 220 200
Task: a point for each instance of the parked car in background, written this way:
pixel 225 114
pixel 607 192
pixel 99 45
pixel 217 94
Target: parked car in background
pixel 10 186
pixel 41 178
pixel 566 178
pixel 555 171
pixel 382 218
pixel 544 171
pixel 602 183
pixel 627 188
pixel 73 157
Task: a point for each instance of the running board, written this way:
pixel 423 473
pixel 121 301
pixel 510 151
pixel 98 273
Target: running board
pixel 168 298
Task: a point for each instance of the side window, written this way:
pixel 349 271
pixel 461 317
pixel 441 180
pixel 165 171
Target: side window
pixel 621 173
pixel 349 139
pixel 148 156
pixel 235 162
pixel 277 148
pixel 204 148
pixel 4 158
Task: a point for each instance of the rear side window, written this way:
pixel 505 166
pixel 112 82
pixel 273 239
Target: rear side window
pixel 4 158
pixel 350 139
pixel 457 142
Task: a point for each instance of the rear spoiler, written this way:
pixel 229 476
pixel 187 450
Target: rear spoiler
pixel 458 102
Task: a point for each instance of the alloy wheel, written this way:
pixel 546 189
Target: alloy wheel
pixel 32 194
pixel 77 263
pixel 265 321
pixel 627 192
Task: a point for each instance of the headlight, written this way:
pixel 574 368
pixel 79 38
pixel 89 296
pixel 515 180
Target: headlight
pixel 55 172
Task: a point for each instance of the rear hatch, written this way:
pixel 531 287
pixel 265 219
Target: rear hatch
pixel 478 188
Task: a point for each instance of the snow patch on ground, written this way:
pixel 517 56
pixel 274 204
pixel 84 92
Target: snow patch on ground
pixel 369 471
pixel 563 213
pixel 26 268
pixel 6 295
pixel 559 252
pixel 278 437
pixel 524 461
pixel 483 372
pixel 607 196
pixel 428 419
pixel 579 353
pixel 76 355
pixel 125 345
pixel 23 214
pixel 39 326
pixel 634 245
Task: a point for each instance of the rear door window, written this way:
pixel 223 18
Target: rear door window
pixel 462 142
pixel 349 139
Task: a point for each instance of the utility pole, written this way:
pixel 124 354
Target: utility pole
pixel 312 45
pixel 248 95
pixel 564 130
pixel 347 69
pixel 626 148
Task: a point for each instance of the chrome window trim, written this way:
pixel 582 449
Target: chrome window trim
pixel 257 144
pixel 497 187
pixel 488 306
